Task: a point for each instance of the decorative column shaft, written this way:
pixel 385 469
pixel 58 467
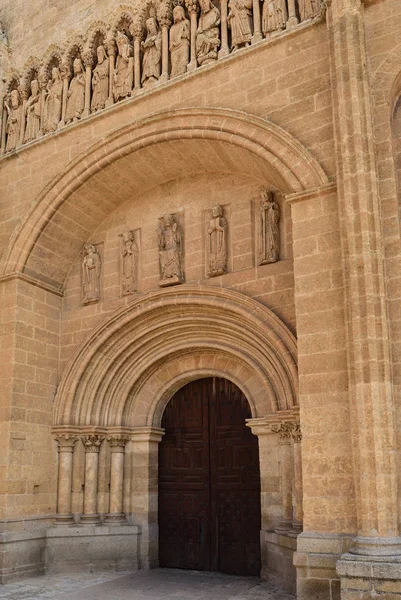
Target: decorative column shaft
pixel 43 81
pixel 292 15
pixel 3 128
pixel 192 7
pixel 287 474
pixel 88 59
pixel 166 24
pixel 257 31
pixel 24 96
pixel 117 447
pixel 66 445
pixel 111 51
pixel 91 444
pixel 224 50
pixel 298 488
pixel 65 76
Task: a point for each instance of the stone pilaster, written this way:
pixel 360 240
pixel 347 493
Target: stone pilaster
pixel 117 445
pixel 91 444
pixel 66 443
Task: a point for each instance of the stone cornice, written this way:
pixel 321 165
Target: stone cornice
pixel 305 195
pixel 32 281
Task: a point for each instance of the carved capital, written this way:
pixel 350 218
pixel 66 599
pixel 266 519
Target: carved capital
pixel 284 430
pixel 296 433
pixel 65 71
pixel 111 47
pixel 92 442
pixel 43 78
pixel 192 6
pixel 66 442
pixel 136 29
pixel 118 442
pixel 88 58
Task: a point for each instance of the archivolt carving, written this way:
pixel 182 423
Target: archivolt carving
pixel 146 57
pixel 114 374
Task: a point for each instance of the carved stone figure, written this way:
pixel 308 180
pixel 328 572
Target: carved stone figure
pixel 240 21
pixel 207 34
pixel 53 102
pixel 91 267
pixel 76 93
pixel 123 72
pixel 170 251
pixel 33 112
pixel 309 9
pixel 269 251
pixel 274 15
pixel 217 242
pixel 152 53
pixel 100 80
pixel 179 42
pixel 129 263
pixel 14 120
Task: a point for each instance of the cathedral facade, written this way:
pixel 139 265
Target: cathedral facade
pixel 200 290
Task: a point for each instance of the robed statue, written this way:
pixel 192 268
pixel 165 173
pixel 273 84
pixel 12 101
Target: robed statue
pixel 91 267
pixel 129 263
pixel 14 120
pixel 33 113
pixel 53 101
pixel 152 53
pixel 217 242
pixel 269 249
pixel 207 34
pixel 170 251
pixel 274 16
pixel 124 69
pixel 240 21
pixel 179 42
pixel 76 93
pixel 100 80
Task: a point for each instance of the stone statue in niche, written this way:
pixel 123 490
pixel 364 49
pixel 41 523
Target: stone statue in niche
pixel 309 9
pixel 53 102
pixel 76 93
pixel 207 34
pixel 129 263
pixel 14 120
pixel 269 250
pixel 91 266
pixel 100 80
pixel 152 53
pixel 240 21
pixel 170 251
pixel 274 16
pixel 179 42
pixel 217 242
pixel 33 113
pixel 124 70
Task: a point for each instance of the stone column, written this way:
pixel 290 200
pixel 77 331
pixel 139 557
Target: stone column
pixel 292 15
pixel 43 81
pixel 66 443
pixel 287 475
pixel 297 437
pixel 224 50
pixel 117 448
pixel 24 97
pixel 257 30
pixel 145 450
pixel 3 127
pixel 91 444
pixel 165 22
pixel 111 51
pixel 65 76
pixel 192 7
pixel 88 60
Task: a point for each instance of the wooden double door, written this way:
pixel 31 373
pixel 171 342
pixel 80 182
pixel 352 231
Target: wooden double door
pixel 209 481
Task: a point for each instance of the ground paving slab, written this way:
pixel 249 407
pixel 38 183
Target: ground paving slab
pixel 172 584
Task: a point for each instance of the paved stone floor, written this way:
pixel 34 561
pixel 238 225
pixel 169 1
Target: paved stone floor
pixel 160 584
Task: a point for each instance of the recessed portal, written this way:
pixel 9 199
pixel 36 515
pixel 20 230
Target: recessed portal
pixel 209 481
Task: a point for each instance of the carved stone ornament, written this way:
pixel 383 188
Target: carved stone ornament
pixel 217 243
pixel 207 34
pixel 269 236
pixel 124 69
pixel 284 430
pixel 179 42
pixel 309 9
pixel 100 80
pixel 76 93
pixel 53 102
pixel 92 442
pixel 33 113
pixel 91 268
pixel 170 251
pixel 296 433
pixel 240 22
pixel 117 443
pixel 13 106
pixel 129 253
pixel 274 16
pixel 66 442
pixel 152 53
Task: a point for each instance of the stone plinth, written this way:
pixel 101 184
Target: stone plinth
pixel 278 566
pixel 92 548
pixel 21 553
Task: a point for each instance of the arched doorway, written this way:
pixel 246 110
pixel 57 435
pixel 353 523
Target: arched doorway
pixel 209 481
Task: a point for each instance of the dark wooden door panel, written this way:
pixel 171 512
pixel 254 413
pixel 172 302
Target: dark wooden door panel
pixel 209 482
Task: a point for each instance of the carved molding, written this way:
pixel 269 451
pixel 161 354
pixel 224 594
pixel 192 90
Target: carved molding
pixel 92 442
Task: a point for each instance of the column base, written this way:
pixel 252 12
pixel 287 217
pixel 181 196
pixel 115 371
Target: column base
pixel 256 38
pixel 86 113
pixel 93 519
pixel 64 520
pixel 115 519
pixel 191 67
pixel 292 22
pixel 284 527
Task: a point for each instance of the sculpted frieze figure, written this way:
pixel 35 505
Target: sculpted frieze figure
pixel 240 21
pixel 274 16
pixel 152 53
pixel 217 242
pixel 129 263
pixel 14 120
pixel 123 72
pixel 179 42
pixel 76 93
pixel 91 267
pixel 53 102
pixel 100 80
pixel 207 34
pixel 269 250
pixel 309 9
pixel 33 113
pixel 170 251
